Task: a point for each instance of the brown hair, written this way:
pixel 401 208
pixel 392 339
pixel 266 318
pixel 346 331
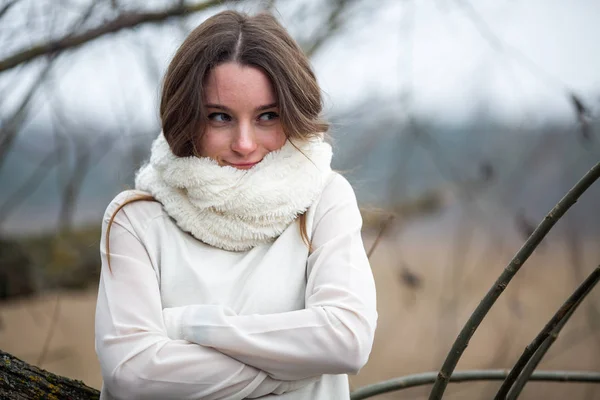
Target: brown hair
pixel 258 41
pixel 112 219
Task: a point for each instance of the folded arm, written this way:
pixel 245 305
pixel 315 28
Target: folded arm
pixel 332 335
pixel 137 358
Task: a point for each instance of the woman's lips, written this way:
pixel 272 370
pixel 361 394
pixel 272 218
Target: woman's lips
pixel 243 165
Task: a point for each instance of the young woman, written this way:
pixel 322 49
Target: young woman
pixel 236 269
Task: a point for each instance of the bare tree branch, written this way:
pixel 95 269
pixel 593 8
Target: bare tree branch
pixel 50 333
pixel 384 227
pixel 268 5
pixel 332 25
pixel 9 130
pixel 469 376
pixel 84 162
pixel 30 184
pixel 462 341
pixel 7 7
pixel 124 21
pixel 534 351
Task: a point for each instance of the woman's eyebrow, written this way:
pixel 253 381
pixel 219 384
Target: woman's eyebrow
pixel 217 106
pixel 225 108
pixel 266 107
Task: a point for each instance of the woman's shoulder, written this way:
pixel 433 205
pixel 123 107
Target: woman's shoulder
pixel 337 188
pixel 337 198
pixel 336 192
pixel 134 204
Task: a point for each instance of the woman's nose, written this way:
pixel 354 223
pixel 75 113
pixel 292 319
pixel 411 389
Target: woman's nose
pixel 245 140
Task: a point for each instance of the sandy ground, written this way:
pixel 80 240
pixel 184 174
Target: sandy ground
pixel 425 294
pixel 70 350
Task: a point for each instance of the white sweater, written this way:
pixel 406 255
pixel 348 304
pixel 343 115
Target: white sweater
pixel 179 319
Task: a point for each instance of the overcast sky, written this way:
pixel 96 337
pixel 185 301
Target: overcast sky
pixel 518 59
pixel 521 60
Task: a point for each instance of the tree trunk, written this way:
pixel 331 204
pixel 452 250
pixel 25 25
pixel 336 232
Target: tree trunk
pixel 21 381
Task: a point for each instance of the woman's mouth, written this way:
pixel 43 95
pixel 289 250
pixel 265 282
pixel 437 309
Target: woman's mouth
pixel 243 165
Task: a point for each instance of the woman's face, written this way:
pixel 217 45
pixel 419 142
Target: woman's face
pixel 243 116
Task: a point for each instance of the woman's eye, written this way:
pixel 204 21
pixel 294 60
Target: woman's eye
pixel 219 117
pixel 268 116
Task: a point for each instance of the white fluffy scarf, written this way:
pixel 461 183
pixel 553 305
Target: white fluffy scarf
pixel 236 209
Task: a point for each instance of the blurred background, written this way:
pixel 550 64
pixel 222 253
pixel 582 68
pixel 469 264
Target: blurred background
pixel 459 123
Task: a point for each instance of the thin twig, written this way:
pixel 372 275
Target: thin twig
pixel 4 9
pixel 384 227
pixel 123 21
pixel 332 25
pixel 426 378
pixel 551 329
pixel 51 330
pixel 462 341
pixel 16 198
pixel 533 363
pixel 10 129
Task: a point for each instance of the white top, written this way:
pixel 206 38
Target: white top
pixel 179 319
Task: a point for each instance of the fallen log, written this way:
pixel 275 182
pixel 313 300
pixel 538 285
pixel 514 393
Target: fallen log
pixel 20 381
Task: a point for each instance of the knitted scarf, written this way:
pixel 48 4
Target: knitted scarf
pixel 236 209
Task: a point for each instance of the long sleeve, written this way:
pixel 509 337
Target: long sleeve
pixel 137 358
pixel 332 335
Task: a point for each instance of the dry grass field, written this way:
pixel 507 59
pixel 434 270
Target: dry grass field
pixel 427 287
pixel 418 322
